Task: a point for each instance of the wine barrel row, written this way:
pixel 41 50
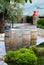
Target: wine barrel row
pixel 18 38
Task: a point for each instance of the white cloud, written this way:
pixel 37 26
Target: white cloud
pixel 37 1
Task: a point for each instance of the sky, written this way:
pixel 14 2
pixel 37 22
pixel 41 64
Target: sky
pixel 29 8
pixel 37 1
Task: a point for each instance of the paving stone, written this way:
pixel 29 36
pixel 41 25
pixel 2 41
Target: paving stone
pixel 2 63
pixel 2 49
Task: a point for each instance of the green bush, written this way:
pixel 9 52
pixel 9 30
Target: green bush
pixel 40 26
pixel 35 49
pixel 40 61
pixel 41 45
pixel 40 23
pixel 9 58
pixel 22 56
pixel 29 19
pixel 40 52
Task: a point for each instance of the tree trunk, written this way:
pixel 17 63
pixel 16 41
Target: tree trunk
pixel 12 22
pixel 2 22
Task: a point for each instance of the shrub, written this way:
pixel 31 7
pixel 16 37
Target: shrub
pixel 35 49
pixel 9 58
pixel 40 52
pixel 29 19
pixel 40 61
pixel 22 56
pixel 41 45
pixel 40 23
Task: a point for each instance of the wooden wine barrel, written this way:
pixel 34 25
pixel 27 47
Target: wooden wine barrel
pixel 17 38
pixel 13 39
pixel 33 33
pixel 26 38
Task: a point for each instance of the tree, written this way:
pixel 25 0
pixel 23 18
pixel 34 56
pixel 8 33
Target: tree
pixel 4 6
pixel 14 13
pixel 22 1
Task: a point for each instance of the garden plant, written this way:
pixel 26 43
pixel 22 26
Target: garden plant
pixel 22 56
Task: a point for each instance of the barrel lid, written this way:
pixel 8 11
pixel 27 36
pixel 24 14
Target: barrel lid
pixel 33 29
pixel 13 29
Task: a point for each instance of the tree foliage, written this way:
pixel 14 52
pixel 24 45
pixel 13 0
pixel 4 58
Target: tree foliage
pixel 22 1
pixel 14 12
pixel 5 3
